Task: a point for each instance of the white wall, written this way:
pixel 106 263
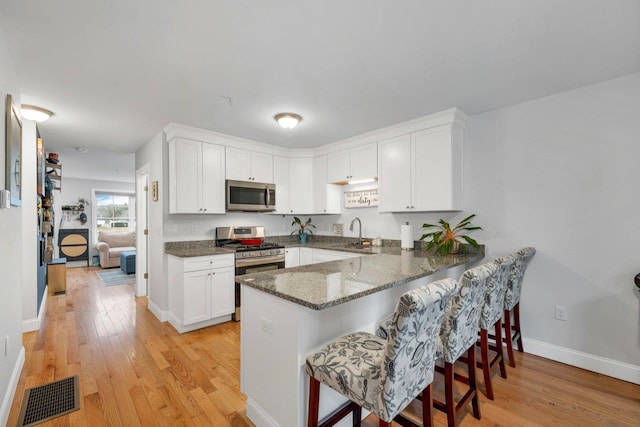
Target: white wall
pixel 560 174
pixel 10 260
pixel 151 156
pixel 29 227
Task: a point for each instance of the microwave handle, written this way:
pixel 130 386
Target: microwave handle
pixel 267 196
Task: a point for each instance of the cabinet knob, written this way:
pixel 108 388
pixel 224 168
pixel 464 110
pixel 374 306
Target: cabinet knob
pixel 408 207
pixel 205 209
pixel 413 207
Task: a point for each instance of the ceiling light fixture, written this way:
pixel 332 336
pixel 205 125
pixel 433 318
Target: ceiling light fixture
pixel 288 120
pixel 82 150
pixel 37 114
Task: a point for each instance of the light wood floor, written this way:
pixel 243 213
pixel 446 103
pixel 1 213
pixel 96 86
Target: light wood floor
pixel 136 371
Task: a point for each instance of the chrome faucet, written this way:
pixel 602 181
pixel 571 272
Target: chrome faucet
pixel 359 229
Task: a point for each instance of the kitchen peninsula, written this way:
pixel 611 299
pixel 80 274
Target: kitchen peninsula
pixel 289 313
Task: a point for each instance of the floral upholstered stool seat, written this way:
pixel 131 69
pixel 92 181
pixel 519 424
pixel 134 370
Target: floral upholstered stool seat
pixel 384 375
pixel 512 302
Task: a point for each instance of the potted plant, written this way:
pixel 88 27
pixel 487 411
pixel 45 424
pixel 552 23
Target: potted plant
pixel 446 240
pixel 303 228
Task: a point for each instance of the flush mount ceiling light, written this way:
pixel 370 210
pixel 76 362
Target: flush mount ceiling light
pixel 37 114
pixel 288 120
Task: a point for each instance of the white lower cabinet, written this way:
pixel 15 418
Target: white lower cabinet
pixel 323 255
pixel 201 291
pixel 291 257
pixel 306 256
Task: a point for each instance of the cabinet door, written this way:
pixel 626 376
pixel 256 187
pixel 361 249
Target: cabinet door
pixel 281 173
pixel 238 164
pixel 300 183
pixel 222 291
pixel 213 186
pixel 437 187
pixel 291 257
pixel 306 256
pixel 197 300
pixel 184 175
pixel 261 167
pixel 338 167
pixel 364 162
pixel 326 197
pixel 394 186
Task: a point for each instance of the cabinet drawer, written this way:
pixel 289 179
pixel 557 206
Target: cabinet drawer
pixel 207 262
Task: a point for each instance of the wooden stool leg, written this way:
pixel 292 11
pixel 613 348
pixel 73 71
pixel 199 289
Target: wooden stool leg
pixel 507 338
pixel 486 366
pixel 314 402
pixel 427 406
pixel 384 424
pixel 448 391
pixel 471 355
pixel 500 356
pixel 516 316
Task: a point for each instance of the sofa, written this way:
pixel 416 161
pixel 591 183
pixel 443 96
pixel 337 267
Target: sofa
pixel 111 244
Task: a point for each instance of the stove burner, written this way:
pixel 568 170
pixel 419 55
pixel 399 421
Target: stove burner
pixel 239 247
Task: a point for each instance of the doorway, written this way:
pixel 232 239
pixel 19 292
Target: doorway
pixel 142 236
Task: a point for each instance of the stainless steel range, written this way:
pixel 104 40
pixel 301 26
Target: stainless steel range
pixel 253 254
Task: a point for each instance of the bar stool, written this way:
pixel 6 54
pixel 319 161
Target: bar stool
pixel 384 376
pixel 512 302
pixel 459 333
pixel 491 316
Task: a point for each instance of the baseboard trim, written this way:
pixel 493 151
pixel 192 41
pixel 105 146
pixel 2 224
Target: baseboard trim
pixel 161 315
pixel 11 388
pixel 601 365
pixel 258 416
pixel 34 324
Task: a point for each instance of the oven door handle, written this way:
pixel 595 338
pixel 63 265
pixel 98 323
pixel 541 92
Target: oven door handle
pixel 258 261
pixel 267 197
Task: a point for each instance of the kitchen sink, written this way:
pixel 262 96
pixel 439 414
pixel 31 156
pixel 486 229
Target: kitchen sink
pixel 352 245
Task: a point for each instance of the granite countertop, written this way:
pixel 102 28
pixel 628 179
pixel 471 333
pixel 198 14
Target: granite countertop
pixel 195 248
pixel 320 286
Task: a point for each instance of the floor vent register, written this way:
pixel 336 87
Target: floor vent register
pixel 49 401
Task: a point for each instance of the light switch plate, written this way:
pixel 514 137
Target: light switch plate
pixel 337 229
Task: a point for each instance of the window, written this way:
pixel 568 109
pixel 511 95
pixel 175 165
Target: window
pixel 115 212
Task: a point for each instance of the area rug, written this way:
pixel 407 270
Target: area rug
pixel 116 276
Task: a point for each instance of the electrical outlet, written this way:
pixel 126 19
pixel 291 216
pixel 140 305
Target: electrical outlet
pixel 193 229
pixel 267 325
pixel 561 313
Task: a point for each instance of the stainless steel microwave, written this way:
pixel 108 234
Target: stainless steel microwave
pixel 250 196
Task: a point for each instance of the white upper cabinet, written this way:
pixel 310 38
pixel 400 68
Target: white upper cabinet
pixel 326 197
pixel 281 178
pixel 196 177
pixel 353 164
pixel 394 182
pixel 300 184
pixel 421 171
pixel 437 169
pixel 245 165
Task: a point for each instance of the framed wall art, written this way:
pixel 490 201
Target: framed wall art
pixel 13 152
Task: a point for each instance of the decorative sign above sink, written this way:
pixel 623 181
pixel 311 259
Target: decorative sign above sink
pixel 361 199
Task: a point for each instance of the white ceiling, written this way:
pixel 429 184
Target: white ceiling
pixel 116 72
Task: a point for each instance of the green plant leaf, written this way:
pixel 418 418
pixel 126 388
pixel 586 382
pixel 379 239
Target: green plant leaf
pixel 470 241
